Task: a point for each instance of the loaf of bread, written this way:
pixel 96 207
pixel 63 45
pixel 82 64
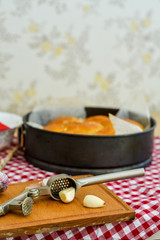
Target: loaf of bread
pixel 94 125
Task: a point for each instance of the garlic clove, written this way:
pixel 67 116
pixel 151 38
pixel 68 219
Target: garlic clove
pixel 67 195
pixel 92 201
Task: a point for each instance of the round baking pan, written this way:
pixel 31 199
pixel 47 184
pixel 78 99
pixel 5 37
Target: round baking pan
pixel 83 154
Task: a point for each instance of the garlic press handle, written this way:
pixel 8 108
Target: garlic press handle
pixel 4 207
pixel 111 177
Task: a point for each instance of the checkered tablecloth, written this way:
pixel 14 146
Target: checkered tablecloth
pixel 142 194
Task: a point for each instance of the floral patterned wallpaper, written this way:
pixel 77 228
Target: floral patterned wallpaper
pixel 102 52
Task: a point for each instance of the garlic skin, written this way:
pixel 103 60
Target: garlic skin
pixel 34 185
pixel 67 195
pixel 44 181
pixel 3 182
pixel 92 201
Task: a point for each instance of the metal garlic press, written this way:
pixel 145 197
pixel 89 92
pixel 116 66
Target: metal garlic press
pixel 59 182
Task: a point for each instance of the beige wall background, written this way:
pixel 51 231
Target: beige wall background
pixel 103 52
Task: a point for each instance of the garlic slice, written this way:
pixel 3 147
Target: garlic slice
pixel 67 195
pixel 92 201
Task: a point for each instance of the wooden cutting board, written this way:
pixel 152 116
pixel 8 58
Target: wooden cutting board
pixel 50 215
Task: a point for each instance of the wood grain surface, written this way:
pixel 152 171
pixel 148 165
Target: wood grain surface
pixel 50 215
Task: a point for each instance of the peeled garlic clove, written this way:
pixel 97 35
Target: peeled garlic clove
pixel 92 201
pixel 67 195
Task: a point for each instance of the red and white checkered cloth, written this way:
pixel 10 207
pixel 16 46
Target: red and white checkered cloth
pixel 141 193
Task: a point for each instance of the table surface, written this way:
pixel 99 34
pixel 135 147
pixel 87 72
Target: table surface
pixel 141 193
